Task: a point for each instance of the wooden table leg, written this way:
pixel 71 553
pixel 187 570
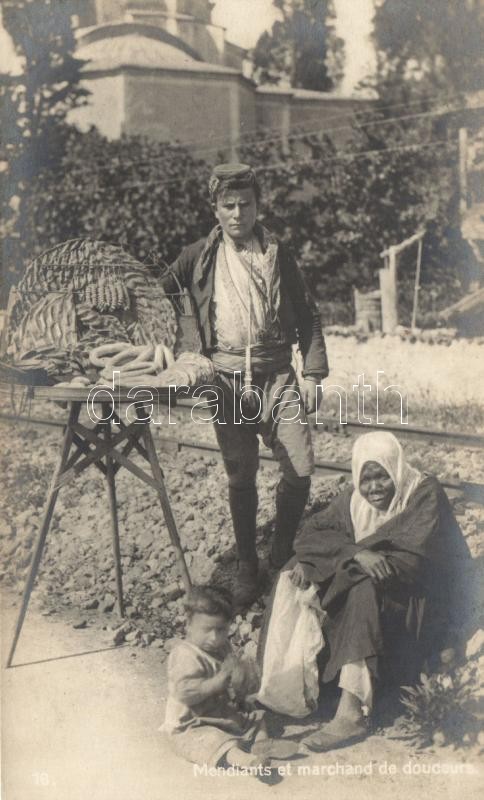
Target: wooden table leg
pixel 44 529
pixel 67 469
pixel 165 504
pixel 113 510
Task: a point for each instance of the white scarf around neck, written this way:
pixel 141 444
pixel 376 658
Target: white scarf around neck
pixel 385 449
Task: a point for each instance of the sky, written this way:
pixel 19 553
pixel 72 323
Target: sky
pixel 245 20
pixel 7 53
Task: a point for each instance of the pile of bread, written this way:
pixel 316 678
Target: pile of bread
pixel 150 365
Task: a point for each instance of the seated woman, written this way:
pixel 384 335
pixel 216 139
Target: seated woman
pixel 385 558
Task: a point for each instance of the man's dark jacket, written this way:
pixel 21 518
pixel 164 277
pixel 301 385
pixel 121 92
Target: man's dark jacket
pixel 299 318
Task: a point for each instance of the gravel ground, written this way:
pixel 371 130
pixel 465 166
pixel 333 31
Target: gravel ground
pixel 76 579
pixel 77 567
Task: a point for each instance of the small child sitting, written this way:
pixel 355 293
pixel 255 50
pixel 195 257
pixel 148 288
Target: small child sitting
pixel 203 722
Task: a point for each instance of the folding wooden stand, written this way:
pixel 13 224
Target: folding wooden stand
pixel 97 445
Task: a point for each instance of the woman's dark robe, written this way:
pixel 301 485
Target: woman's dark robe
pixel 395 625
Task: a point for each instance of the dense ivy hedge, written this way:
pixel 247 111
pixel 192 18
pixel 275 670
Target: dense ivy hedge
pixel 337 209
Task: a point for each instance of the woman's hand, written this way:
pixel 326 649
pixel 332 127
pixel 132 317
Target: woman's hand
pixel 298 577
pixel 374 564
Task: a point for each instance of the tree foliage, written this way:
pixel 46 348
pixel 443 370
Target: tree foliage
pixel 35 101
pixel 301 48
pixel 335 208
pixel 429 58
pixel 39 98
pixel 340 207
pixel 147 196
pixel 433 45
pixel 337 205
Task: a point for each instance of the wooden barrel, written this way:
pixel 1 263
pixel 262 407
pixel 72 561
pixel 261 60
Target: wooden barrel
pixel 368 310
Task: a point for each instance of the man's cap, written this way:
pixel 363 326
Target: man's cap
pixel 227 175
pixel 232 171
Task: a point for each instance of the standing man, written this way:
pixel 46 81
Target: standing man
pixel 252 305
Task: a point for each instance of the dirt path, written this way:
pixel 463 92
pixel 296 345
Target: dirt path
pixel 80 721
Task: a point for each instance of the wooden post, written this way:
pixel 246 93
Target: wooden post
pixel 12 299
pixel 356 305
pixel 44 529
pixel 389 294
pixel 164 502
pixel 113 510
pixel 417 285
pixel 389 282
pixel 463 170
pixel 286 126
pixel 105 442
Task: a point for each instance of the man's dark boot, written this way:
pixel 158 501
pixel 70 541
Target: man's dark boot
pixel 243 507
pixel 290 504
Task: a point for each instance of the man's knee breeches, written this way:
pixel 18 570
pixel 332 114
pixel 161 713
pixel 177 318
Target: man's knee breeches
pixel 239 446
pixel 240 451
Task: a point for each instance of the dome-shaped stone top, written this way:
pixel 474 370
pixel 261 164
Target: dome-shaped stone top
pixel 131 51
pixel 113 46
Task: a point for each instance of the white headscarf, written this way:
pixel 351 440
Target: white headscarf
pixel 385 449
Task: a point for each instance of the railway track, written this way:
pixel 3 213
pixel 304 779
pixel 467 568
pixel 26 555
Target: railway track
pixel 321 423
pixel 472 491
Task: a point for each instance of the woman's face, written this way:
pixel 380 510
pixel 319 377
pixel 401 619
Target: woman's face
pixel 376 486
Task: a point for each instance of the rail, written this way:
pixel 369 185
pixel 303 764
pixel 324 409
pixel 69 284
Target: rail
pixel 472 491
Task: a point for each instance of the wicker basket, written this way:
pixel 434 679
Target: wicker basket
pixel 116 298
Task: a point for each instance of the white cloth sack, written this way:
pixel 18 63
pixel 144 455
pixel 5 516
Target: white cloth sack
pixel 290 680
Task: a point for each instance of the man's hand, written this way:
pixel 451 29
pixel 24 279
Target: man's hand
pixel 298 577
pixel 308 387
pixel 374 564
